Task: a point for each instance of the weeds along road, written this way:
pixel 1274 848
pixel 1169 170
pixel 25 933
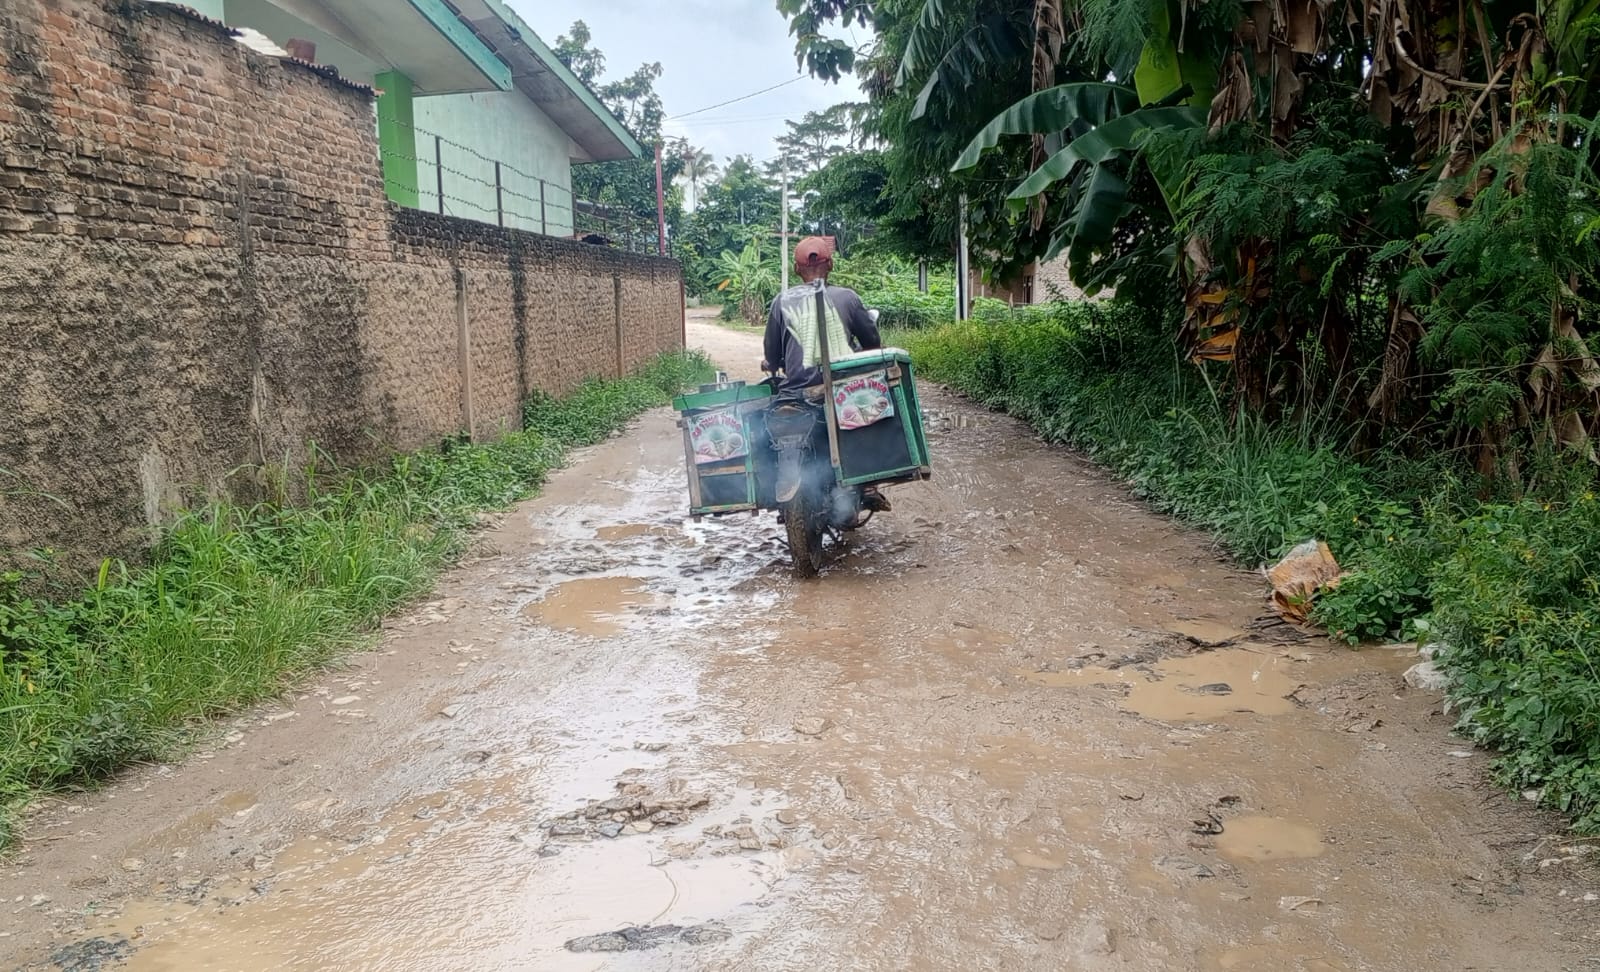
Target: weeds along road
pixel 1022 724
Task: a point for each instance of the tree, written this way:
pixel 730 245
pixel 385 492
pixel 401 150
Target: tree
pixel 813 140
pixel 633 99
pixel 922 135
pixel 573 50
pixel 698 164
pixel 739 207
pixel 749 282
pixel 846 198
pixel 625 190
pixel 1219 140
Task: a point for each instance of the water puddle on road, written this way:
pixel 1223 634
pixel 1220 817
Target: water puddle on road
pixel 1258 840
pixel 599 888
pixel 232 807
pixel 1195 688
pixel 591 605
pixel 1036 862
pixel 1266 958
pixel 520 887
pixel 633 531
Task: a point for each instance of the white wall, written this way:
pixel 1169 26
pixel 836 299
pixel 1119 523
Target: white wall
pixel 502 125
pixel 1053 281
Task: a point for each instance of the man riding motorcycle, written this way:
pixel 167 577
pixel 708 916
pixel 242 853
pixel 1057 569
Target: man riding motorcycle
pixel 793 340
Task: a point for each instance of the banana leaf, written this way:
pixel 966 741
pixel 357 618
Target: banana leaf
pixel 921 45
pixel 1103 142
pixel 1101 202
pixel 991 40
pixel 1049 111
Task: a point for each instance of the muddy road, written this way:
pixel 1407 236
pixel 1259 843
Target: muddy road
pixel 1021 723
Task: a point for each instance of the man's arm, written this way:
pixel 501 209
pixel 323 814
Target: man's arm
pixel 773 345
pixel 860 323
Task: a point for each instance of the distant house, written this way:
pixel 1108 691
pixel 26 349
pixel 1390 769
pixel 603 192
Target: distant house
pixel 476 116
pixel 1040 283
pixel 1053 281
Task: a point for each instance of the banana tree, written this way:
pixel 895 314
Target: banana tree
pixel 1189 74
pixel 1064 121
pixel 1084 133
pixel 1097 127
pixel 749 282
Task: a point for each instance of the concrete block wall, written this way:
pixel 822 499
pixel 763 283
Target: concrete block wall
pixel 201 278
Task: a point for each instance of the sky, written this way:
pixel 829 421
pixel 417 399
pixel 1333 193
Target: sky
pixel 710 51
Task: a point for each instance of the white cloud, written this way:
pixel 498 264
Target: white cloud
pixel 710 51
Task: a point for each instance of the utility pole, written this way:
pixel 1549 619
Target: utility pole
pixel 963 269
pixel 661 208
pixel 783 232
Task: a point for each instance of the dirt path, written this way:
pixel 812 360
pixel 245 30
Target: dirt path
pixel 992 737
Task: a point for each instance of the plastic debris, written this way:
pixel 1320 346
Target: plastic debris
pixel 1298 577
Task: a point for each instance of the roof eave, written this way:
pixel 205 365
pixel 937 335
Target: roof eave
pixel 444 20
pixel 604 139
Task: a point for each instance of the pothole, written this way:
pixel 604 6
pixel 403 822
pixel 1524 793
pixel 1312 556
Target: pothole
pixel 1262 839
pixel 642 939
pixel 1206 631
pixel 591 605
pixel 1194 688
pixel 619 533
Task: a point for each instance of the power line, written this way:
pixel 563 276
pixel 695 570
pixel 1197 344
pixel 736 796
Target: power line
pixel 705 123
pixel 780 84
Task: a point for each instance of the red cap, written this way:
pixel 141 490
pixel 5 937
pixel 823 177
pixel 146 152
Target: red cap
pixel 813 251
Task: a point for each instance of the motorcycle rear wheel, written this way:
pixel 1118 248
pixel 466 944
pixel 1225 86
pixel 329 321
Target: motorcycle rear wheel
pixel 804 524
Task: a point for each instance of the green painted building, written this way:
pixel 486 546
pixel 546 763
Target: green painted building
pixel 476 117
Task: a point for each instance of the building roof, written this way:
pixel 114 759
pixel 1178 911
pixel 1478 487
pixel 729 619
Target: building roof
pixel 540 75
pixel 423 39
pixel 445 47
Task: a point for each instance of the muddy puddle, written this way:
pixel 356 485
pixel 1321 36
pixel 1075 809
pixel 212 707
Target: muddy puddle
pixel 473 880
pixel 621 533
pixel 595 606
pixel 1206 631
pixel 1257 839
pixel 1211 685
pixel 1268 958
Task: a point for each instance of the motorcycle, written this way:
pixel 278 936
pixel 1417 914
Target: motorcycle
pixel 815 503
pixel 817 457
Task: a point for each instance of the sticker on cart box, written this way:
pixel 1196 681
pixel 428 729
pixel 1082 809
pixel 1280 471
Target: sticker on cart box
pixel 863 400
pixel 717 436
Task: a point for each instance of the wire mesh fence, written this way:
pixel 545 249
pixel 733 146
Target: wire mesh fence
pixel 455 179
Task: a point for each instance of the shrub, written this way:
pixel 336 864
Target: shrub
pixel 1516 603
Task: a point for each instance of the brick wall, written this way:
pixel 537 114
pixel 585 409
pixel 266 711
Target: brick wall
pixel 200 276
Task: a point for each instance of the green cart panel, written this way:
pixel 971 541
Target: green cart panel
pixel 721 429
pixel 891 448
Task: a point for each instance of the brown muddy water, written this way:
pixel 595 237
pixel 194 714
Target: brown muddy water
pixel 1021 723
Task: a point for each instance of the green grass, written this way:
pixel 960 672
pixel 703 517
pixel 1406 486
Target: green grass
pixel 1509 587
pixel 237 602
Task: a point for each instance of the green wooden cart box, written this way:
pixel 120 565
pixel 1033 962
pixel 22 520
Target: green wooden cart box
pixel 881 438
pixel 722 432
pixel 728 451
